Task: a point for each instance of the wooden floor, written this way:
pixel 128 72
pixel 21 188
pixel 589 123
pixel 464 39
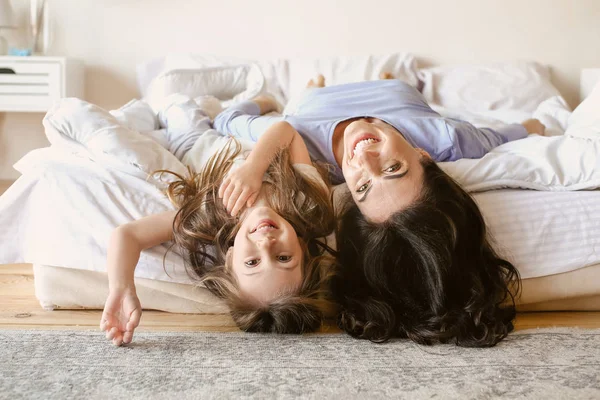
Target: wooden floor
pixel 19 309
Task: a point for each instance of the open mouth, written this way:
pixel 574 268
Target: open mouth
pixel 264 225
pixel 363 141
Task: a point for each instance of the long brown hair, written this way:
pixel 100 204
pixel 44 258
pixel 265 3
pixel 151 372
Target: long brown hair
pixel 205 231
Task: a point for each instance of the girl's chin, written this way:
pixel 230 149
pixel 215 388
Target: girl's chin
pixel 259 212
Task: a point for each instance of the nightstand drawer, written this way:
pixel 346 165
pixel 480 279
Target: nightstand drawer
pixel 34 83
pixel 32 86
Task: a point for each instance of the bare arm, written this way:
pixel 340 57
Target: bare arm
pixel 280 135
pixel 242 186
pixel 127 242
pixel 122 310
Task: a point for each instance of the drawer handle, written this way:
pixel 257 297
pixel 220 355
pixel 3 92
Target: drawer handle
pixel 7 71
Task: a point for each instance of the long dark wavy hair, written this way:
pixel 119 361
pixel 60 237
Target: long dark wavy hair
pixel 205 231
pixel 429 273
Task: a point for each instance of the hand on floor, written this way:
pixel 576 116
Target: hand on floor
pixel 121 315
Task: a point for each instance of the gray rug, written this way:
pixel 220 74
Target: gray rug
pixel 549 364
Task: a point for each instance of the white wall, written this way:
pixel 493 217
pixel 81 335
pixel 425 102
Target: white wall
pixel 111 36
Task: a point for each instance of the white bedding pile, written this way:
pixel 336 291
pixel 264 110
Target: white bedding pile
pixel 63 208
pixel 95 176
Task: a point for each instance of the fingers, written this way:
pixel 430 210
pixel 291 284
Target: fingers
pixel 117 322
pixel 230 193
pixel 127 337
pixel 108 318
pixel 252 199
pixel 241 200
pixel 118 337
pixel 227 194
pixel 223 187
pixel 134 320
pixel 112 333
pixel 115 336
pixel 118 340
pixel 107 321
pixel 104 324
pixel 232 200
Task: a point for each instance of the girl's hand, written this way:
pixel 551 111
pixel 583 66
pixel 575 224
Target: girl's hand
pixel 122 313
pixel 241 187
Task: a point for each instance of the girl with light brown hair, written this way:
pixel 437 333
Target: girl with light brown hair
pixel 249 228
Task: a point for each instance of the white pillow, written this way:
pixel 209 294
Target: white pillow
pixel 338 70
pixel 518 86
pixel 231 80
pixel 228 83
pixel 150 69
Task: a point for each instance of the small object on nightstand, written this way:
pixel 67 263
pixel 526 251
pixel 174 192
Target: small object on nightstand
pixel 33 84
pixel 13 51
pixel 7 21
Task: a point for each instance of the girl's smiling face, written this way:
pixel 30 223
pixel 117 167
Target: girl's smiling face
pixel 266 257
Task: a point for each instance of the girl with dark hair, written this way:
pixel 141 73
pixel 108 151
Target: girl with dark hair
pixel 415 258
pixel 248 225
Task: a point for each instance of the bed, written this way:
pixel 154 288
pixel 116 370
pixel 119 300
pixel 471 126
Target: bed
pixel 59 213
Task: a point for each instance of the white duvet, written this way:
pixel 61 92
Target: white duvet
pixel 95 176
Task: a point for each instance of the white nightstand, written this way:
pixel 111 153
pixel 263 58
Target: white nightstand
pixel 32 84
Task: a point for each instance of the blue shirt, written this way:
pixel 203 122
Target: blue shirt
pixel 320 110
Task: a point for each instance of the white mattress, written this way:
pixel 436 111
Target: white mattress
pixel 544 233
